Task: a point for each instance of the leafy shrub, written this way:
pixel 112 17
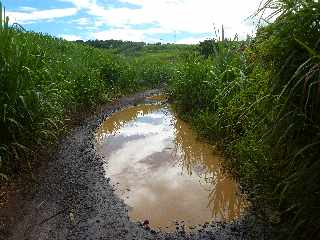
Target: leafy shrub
pixel 41 79
pixel 261 98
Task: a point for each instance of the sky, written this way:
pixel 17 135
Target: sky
pixel 174 21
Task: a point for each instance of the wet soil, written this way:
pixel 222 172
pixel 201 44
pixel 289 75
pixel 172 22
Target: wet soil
pixel 163 171
pixel 74 199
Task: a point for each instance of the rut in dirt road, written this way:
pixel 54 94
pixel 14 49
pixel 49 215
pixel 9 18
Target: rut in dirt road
pixel 76 201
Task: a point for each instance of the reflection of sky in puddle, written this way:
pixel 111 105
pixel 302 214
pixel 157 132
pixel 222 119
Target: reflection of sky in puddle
pixel 164 172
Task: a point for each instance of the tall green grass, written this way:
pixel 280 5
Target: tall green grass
pixel 294 133
pixel 40 78
pixel 260 98
pixel 43 78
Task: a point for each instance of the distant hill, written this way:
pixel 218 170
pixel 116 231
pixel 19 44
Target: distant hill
pixel 129 47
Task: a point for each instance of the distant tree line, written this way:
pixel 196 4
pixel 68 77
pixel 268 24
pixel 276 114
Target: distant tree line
pixel 129 46
pixel 114 44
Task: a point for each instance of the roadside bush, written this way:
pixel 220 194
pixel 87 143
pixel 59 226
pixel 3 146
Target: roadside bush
pixel 261 99
pixel 41 79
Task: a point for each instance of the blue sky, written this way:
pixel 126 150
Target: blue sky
pixel 181 21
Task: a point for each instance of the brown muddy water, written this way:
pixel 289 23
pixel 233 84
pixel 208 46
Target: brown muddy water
pixel 163 172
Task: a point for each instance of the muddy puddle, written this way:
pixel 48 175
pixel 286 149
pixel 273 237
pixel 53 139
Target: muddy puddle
pixel 162 171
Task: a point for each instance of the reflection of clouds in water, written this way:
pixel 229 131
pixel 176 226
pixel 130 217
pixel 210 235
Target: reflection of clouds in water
pixel 144 129
pixel 134 151
pixel 147 135
pixel 169 172
pixel 116 143
pixel 153 123
pixel 117 120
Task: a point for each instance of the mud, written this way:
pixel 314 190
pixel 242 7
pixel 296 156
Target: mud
pixel 74 199
pixel 163 171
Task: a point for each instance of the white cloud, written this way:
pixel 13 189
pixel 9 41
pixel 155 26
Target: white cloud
pixel 81 3
pixel 192 16
pixel 70 37
pixel 27 9
pixel 145 35
pixel 122 34
pixel 192 40
pixel 81 21
pixel 31 15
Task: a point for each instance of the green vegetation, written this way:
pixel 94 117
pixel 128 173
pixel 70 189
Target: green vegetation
pixel 43 79
pixel 259 98
pixel 136 48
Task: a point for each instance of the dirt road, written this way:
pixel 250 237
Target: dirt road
pixel 75 200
